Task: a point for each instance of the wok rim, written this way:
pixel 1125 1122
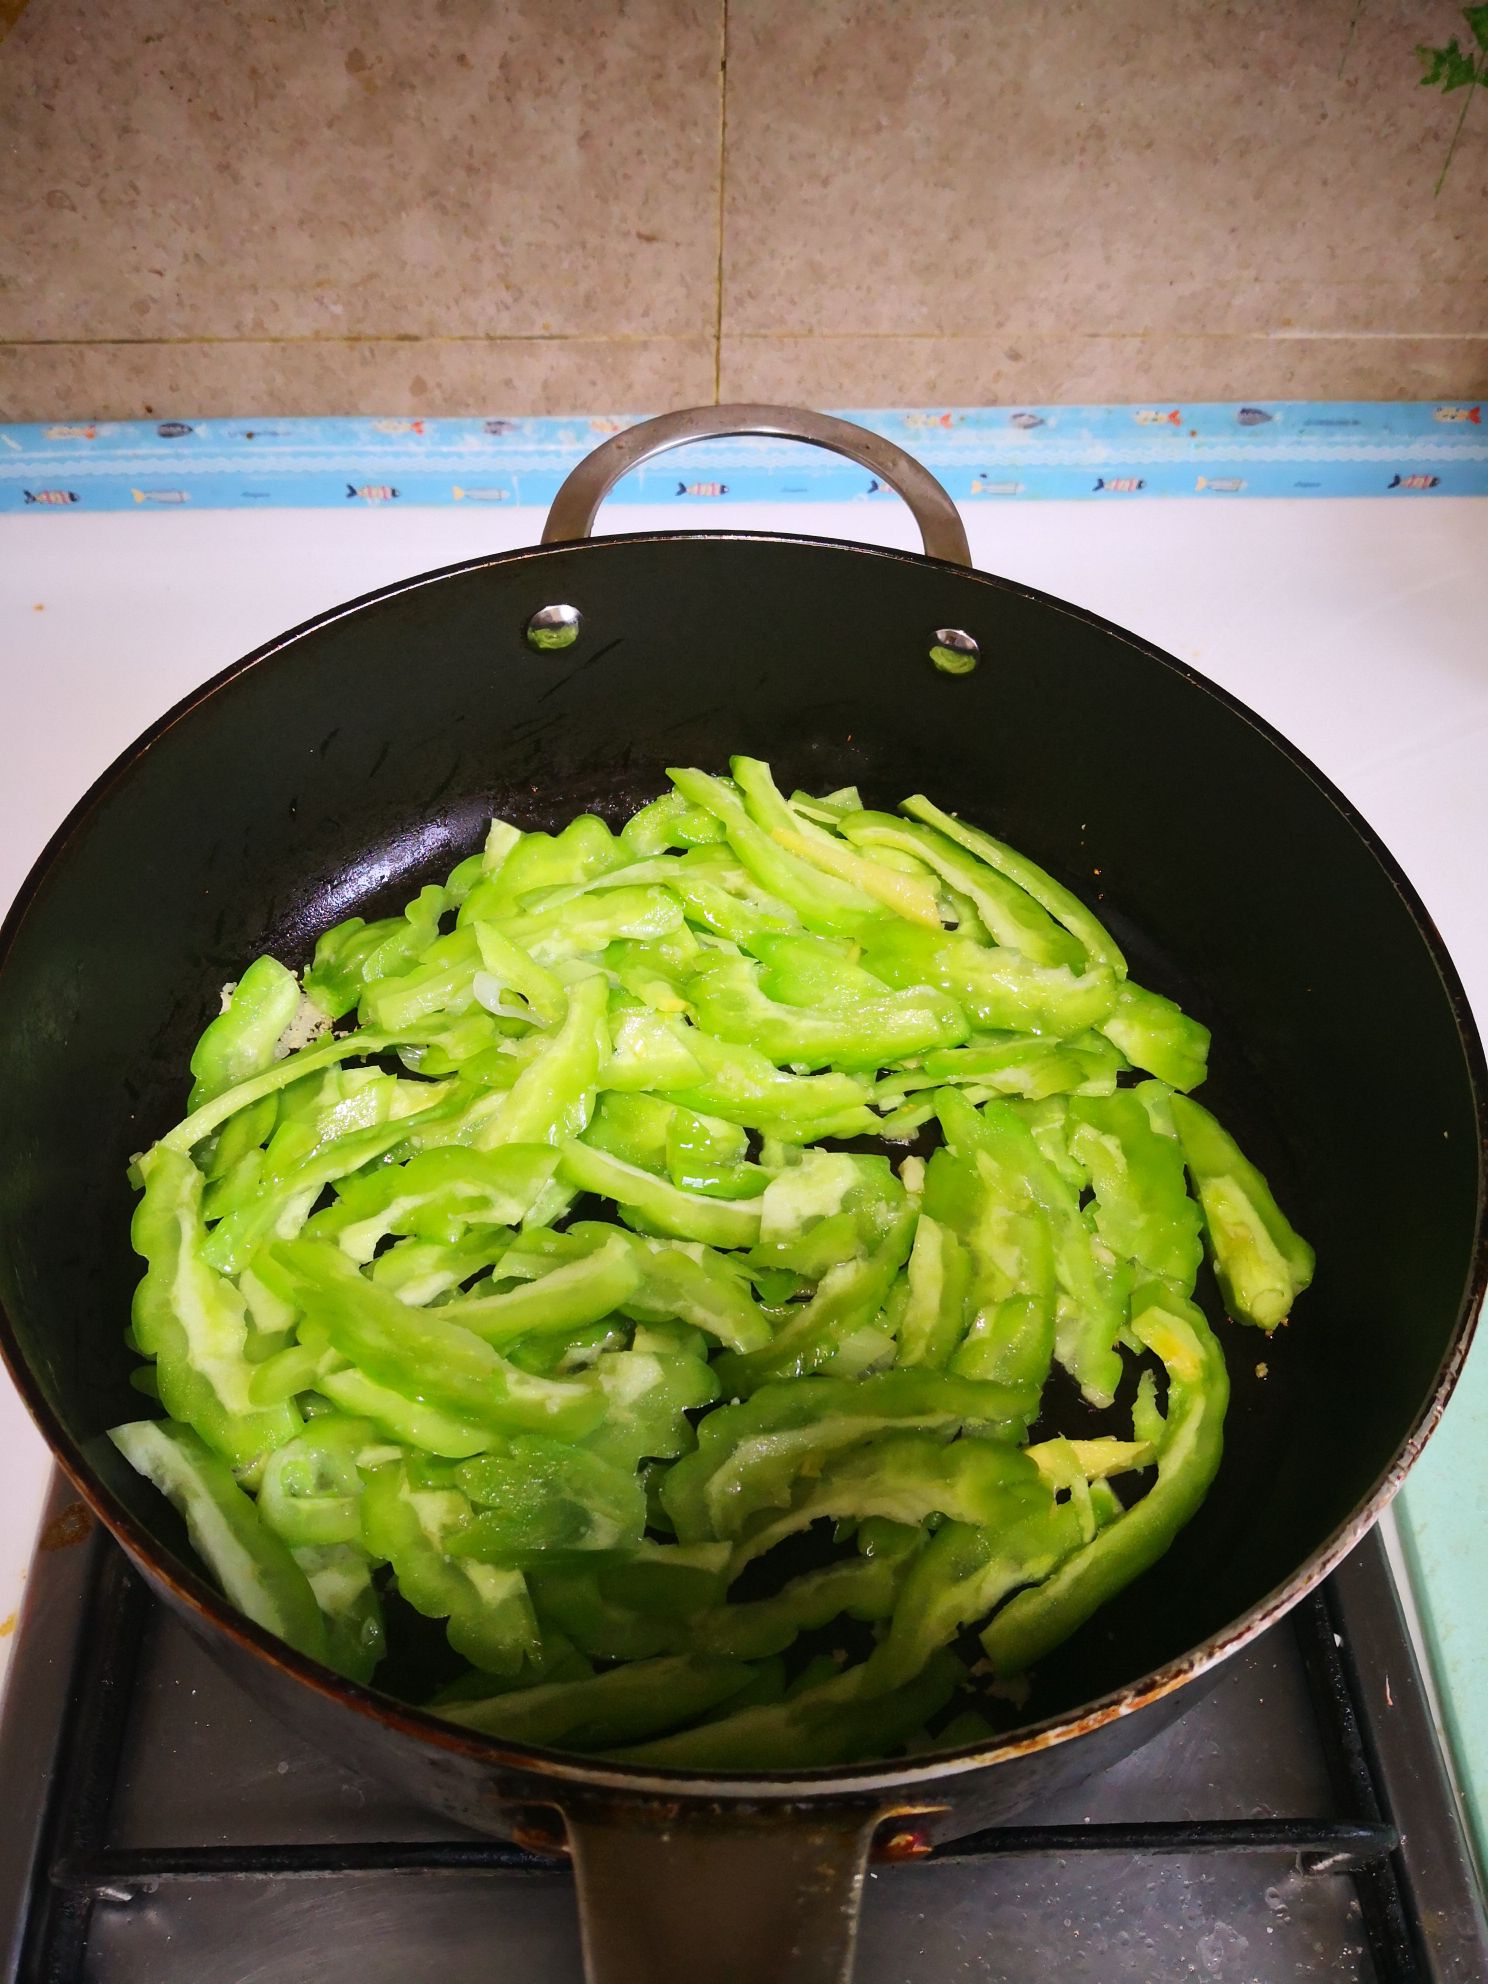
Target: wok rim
pixel 818 1785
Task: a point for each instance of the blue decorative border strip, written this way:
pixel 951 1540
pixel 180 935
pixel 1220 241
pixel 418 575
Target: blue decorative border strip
pixel 1115 453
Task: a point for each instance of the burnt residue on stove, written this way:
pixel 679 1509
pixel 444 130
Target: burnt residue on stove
pixel 73 1526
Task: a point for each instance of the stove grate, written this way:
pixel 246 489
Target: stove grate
pixel 75 1867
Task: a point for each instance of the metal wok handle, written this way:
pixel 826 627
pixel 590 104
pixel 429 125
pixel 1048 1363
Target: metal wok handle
pixel 750 1896
pixel 577 502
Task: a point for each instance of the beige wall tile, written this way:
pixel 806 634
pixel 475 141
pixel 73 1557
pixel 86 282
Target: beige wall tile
pixel 509 375
pixel 190 168
pixel 451 204
pixel 975 371
pixel 1041 167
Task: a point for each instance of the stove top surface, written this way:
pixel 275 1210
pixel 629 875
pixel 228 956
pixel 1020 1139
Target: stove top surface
pixel 206 1855
pixel 1294 1823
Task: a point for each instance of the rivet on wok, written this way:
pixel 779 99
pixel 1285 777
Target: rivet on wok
pixel 553 627
pixel 954 652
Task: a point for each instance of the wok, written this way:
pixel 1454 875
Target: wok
pixel 341 766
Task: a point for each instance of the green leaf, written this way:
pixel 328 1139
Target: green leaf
pixel 1449 68
pixel 1477 20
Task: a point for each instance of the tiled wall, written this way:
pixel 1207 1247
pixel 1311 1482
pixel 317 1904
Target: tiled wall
pixel 322 206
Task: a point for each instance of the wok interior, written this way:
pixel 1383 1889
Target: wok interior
pixel 366 756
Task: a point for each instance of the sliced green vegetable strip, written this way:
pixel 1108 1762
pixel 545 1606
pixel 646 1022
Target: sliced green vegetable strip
pixel 935 1314
pixel 1142 1209
pixel 355 954
pixel 241 1041
pixel 511 967
pixel 801 970
pixel 700 1289
pixel 254 1569
pixel 340 1576
pixel 311 1489
pixel 646 1052
pixel 619 1707
pixel 203 1120
pixel 905 1477
pixel 282 1202
pixel 647 1396
pixel 633 1127
pixel 822 901
pixel 906 895
pixel 632 1604
pixel 1024 1064
pixel 519 865
pixel 865 1033
pixel 1008 911
pixel 668 822
pixel 682 1215
pixel 430 1361
pixel 1066 908
pixel 193 1321
pixel 964 1572
pixel 583 1291
pixel 837 1721
pixel 741 1085
pixel 1038 1620
pixel 751 1455
pixel 980 1187
pixel 442 981
pixel 489 1615
pixel 1158 1036
pixel 1261 1262
pixel 408 1421
pixel 534 1495
pixel 435 1195
pixel 1091 1284
pixel 706 1154
pixel 861 1589
pixel 553 1097
pixel 846 1302
pixel 997 987
pixel 864 883
pixel 1048 1119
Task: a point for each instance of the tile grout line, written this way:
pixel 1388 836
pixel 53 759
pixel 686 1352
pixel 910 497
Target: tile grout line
pixel 723 27
pixel 310 340
pixel 412 340
pixel 1112 337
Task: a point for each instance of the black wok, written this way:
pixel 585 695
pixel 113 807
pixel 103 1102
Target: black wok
pixel 362 754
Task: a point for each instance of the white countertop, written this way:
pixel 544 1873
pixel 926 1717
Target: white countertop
pixel 1355 626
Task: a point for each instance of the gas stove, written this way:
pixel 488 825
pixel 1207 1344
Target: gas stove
pixel 1296 1822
